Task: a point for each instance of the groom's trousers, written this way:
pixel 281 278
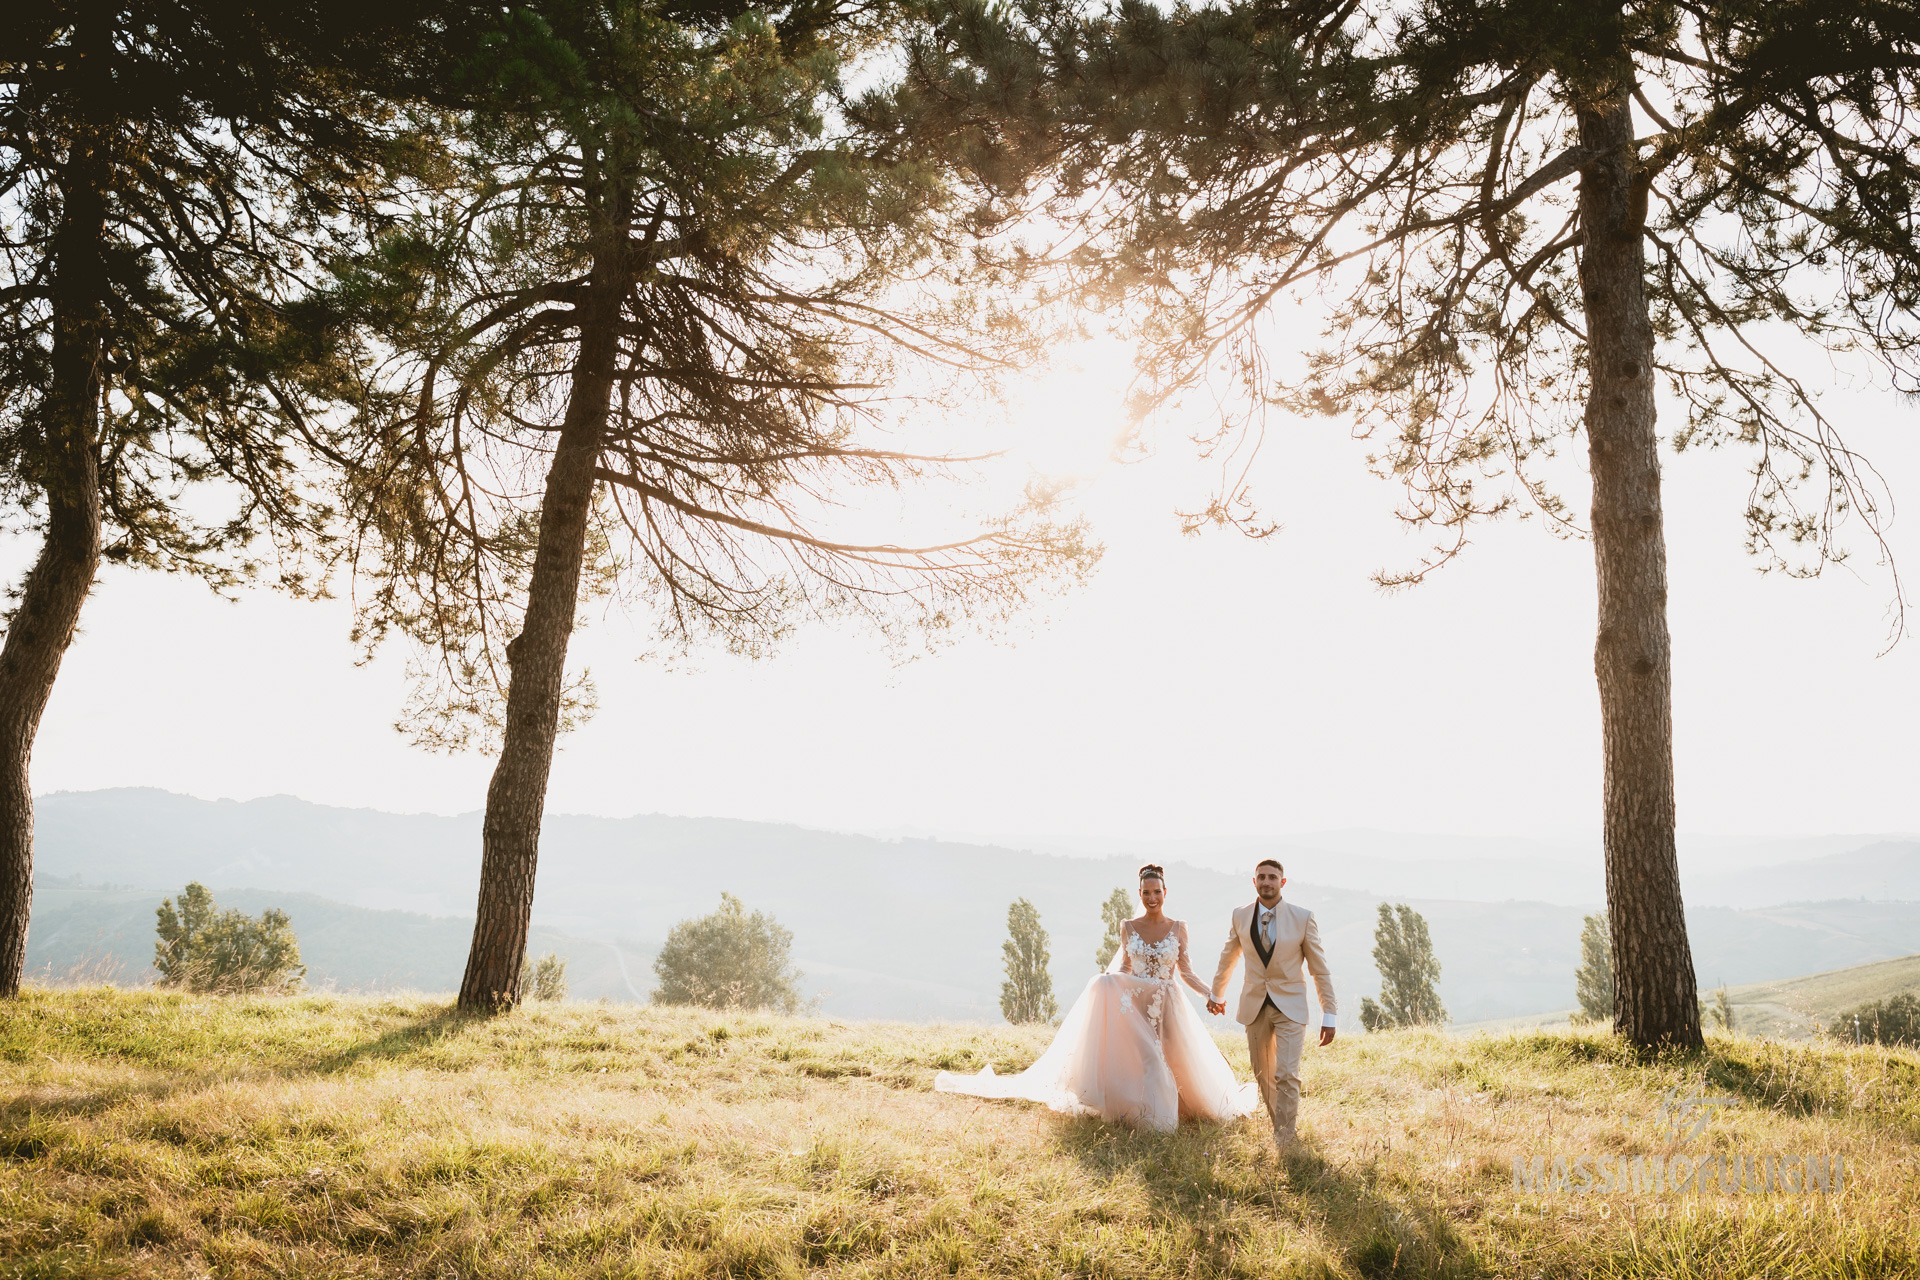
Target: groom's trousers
pixel 1274 1042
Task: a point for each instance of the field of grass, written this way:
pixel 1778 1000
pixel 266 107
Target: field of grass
pixel 154 1134
pixel 1798 1007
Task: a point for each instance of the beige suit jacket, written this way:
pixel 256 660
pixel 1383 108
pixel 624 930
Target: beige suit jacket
pixel 1296 947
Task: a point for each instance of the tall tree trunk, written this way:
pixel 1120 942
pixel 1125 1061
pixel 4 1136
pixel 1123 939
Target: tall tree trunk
pixel 68 464
pixel 1654 1000
pixel 537 657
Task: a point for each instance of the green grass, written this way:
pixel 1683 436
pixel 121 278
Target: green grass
pixel 148 1134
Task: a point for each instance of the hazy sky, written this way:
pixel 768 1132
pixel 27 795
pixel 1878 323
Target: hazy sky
pixel 1195 686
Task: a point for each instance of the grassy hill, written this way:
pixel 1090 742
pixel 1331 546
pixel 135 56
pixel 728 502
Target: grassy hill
pixel 146 1134
pixel 1798 1007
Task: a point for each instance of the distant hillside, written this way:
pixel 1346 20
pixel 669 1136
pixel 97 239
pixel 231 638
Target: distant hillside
pixel 108 932
pixel 906 929
pixel 1714 871
pixel 1884 871
pixel 1798 1007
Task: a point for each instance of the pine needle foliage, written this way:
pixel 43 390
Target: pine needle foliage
pixel 1414 166
pixel 1517 225
pixel 684 199
pixel 175 179
pixel 211 159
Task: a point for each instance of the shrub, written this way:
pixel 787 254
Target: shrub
pixel 729 960
pixel 1894 1020
pixel 545 980
pixel 205 949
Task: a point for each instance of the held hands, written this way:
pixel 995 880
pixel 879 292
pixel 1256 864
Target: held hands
pixel 1216 1006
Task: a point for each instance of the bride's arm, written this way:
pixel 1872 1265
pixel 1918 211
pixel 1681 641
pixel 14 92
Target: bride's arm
pixel 1186 969
pixel 1123 958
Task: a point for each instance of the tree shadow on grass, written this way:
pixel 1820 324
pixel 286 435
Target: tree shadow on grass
pixel 1203 1182
pixel 22 1114
pixel 402 1041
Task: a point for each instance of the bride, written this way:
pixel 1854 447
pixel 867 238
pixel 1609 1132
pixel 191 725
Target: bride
pixel 1132 1048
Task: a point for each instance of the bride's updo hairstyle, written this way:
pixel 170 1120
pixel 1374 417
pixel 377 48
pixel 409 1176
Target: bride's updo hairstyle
pixel 1154 871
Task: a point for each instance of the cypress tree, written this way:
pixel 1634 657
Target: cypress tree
pixel 1409 974
pixel 1593 981
pixel 1114 912
pixel 1027 994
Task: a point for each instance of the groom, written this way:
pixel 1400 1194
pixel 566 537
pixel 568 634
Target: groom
pixel 1276 939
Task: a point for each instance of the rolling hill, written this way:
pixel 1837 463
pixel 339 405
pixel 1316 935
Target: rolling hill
pixel 904 928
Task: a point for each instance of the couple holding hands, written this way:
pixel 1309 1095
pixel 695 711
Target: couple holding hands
pixel 1133 1050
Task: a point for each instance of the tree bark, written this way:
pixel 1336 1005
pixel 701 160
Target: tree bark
pixel 537 657
pixel 68 465
pixel 1654 999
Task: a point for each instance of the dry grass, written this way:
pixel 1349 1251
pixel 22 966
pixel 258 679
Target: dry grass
pixel 149 1134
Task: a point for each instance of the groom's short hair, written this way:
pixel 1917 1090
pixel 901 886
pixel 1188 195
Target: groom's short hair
pixel 1269 862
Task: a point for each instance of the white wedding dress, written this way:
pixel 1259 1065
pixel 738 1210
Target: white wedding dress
pixel 1132 1048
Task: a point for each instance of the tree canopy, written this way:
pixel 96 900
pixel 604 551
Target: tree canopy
pixel 1518 223
pixel 174 179
pixel 729 960
pixel 642 337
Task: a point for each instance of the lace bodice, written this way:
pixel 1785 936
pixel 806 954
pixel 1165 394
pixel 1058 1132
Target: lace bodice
pixel 1153 959
pixel 1164 961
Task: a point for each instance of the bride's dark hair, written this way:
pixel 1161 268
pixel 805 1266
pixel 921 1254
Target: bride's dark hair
pixel 1153 871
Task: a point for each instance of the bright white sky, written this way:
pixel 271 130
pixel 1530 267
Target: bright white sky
pixel 1196 686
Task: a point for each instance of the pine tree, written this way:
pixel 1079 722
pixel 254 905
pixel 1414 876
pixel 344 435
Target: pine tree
pixel 1403 955
pixel 174 178
pixel 1523 219
pixel 1593 981
pixel 637 339
pixel 1115 911
pixel 1027 994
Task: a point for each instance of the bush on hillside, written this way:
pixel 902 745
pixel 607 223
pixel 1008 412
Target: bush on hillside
pixel 205 949
pixel 544 980
pixel 1894 1020
pixel 729 960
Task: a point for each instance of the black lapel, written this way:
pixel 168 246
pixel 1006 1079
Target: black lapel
pixel 1260 944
